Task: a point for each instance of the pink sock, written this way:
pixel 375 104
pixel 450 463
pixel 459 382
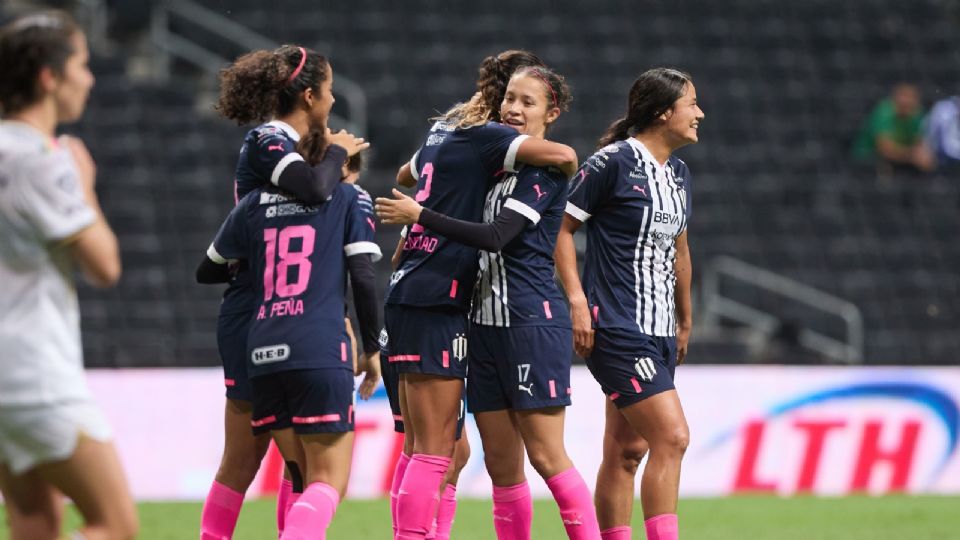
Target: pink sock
pixel 662 527
pixel 512 512
pixel 418 495
pixel 445 512
pixel 220 512
pixel 398 473
pixel 616 533
pixel 283 494
pixel 291 500
pixel 310 516
pixel 576 505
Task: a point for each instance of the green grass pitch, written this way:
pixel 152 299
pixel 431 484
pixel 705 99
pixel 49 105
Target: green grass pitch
pixel 733 518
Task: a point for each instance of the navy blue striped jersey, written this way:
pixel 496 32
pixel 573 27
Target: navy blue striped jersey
pixel 516 285
pixel 636 208
pixel 455 168
pixel 267 149
pixel 297 255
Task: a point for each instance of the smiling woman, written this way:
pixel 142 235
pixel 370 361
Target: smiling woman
pixel 633 322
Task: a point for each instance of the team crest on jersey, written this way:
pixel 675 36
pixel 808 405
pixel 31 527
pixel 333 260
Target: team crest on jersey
pixel 645 368
pixel 396 277
pixel 459 347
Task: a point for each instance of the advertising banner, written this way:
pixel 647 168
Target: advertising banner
pixel 753 429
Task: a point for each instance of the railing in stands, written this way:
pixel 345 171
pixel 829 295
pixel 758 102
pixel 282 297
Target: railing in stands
pixel 717 306
pixel 164 35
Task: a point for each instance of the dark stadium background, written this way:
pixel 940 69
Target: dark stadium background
pixel 784 85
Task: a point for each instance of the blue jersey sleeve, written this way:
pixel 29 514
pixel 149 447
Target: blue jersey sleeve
pixel 497 146
pixel 361 226
pixel 535 192
pixel 271 153
pixel 232 242
pixel 592 186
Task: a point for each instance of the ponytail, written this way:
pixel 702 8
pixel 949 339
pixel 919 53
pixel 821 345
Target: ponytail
pixel 617 131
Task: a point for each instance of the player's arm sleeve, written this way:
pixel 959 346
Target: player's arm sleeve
pixel 314 185
pixel 485 236
pixel 230 244
pixel 497 145
pixel 590 187
pixel 362 251
pixel 275 157
pixel 209 272
pixel 363 282
pixel 53 203
pixel 687 189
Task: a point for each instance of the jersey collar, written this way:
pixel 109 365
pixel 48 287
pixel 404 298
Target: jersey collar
pixel 647 155
pixel 287 128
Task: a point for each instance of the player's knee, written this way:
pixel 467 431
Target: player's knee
pixel 546 462
pixel 675 440
pixel 631 453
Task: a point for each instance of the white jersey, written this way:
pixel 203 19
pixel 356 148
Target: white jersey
pixel 41 205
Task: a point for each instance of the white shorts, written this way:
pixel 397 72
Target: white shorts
pixel 33 435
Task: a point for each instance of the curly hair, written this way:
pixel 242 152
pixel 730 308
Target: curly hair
pixel 493 75
pixel 263 84
pixel 652 94
pixel 27 45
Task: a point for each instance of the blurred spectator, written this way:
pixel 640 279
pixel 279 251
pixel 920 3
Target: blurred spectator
pixel 943 132
pixel 892 136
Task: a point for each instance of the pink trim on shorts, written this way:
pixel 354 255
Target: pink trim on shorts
pixel 546 309
pixel 636 385
pixel 323 418
pixel 398 417
pixel 446 359
pixel 614 396
pixel 596 313
pixel 553 389
pixel 350 414
pixel 453 289
pixel 263 421
pixel 404 358
pixel 343 351
pixel 229 382
pixel 569 390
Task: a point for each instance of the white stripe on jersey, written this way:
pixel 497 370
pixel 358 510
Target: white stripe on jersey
pixel 282 165
pixel 577 213
pixel 491 295
pixel 510 160
pixel 357 248
pixel 524 209
pixel 215 256
pixel 413 165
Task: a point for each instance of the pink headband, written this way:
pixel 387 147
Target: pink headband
pixel 303 60
pixel 544 79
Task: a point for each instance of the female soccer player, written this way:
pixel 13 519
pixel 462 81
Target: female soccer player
pixel 291 87
pixel 426 304
pixel 53 438
pixel 299 366
pixel 521 341
pixel 631 315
